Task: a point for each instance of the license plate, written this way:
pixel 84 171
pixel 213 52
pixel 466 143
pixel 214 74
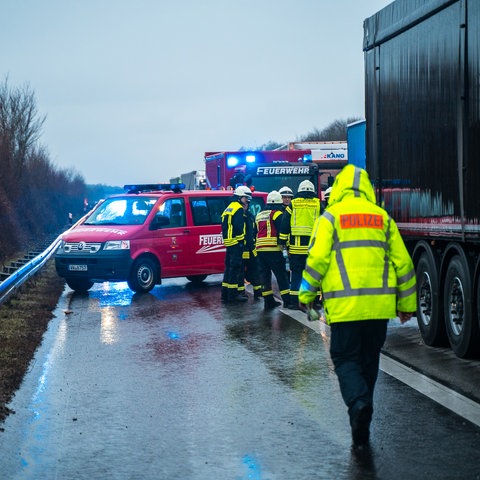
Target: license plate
pixel 77 268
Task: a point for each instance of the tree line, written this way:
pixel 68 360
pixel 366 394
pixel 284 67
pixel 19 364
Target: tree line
pixel 336 131
pixel 35 195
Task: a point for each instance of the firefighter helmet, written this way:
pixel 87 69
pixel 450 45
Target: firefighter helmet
pixel 326 195
pixel 274 197
pixel 243 191
pixel 286 192
pixel 306 186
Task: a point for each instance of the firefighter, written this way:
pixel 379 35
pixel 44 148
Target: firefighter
pixel 250 259
pixel 326 196
pixel 287 195
pixel 297 225
pixel 269 251
pixel 233 233
pixel 360 261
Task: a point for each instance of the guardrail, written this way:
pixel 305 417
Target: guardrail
pixel 17 278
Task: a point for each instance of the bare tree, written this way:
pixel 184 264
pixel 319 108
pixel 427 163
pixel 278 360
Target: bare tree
pixel 335 131
pixel 35 196
pixel 20 129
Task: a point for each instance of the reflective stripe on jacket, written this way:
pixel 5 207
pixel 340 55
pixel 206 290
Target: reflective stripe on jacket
pixel 304 212
pixel 267 230
pixel 357 256
pixel 297 224
pixel 233 224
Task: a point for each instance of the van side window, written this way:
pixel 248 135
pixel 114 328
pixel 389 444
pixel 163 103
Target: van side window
pixel 174 210
pixel 256 205
pixel 207 210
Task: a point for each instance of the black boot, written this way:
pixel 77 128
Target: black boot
pixel 271 303
pixel 236 298
pixel 360 423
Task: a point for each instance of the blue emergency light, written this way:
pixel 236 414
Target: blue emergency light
pixel 250 158
pixel 232 162
pixel 152 187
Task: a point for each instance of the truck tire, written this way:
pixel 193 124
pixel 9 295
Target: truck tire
pixel 144 275
pixel 79 284
pixel 429 308
pixel 196 278
pixel 462 328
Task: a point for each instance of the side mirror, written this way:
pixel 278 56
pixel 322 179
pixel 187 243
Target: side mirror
pixel 159 221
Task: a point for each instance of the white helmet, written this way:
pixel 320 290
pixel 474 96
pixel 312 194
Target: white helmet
pixel 326 195
pixel 274 197
pixel 243 191
pixel 306 186
pixel 286 192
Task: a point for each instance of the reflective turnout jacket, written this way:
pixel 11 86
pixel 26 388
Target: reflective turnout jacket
pixel 233 224
pixel 297 223
pixel 357 256
pixel 268 224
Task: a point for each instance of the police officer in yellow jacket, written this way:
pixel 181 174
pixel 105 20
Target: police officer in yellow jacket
pixel 233 233
pixel 358 259
pixel 297 226
pixel 269 251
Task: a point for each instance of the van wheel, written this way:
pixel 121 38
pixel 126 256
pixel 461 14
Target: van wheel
pixel 79 284
pixel 429 308
pixel 143 276
pixel 462 330
pixel 196 278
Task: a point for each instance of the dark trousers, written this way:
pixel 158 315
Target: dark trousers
pixel 233 275
pixel 355 352
pixel 252 271
pixel 273 262
pixel 297 265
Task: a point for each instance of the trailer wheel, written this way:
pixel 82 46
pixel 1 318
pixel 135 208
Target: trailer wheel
pixel 462 330
pixel 429 312
pixel 143 276
pixel 79 284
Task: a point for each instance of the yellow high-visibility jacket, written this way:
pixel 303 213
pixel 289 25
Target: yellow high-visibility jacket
pixel 357 256
pixel 233 224
pixel 297 224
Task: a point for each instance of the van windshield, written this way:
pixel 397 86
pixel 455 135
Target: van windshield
pixel 122 211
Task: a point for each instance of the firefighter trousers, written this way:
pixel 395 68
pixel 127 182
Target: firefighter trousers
pixel 252 273
pixel 273 262
pixel 233 275
pixel 297 265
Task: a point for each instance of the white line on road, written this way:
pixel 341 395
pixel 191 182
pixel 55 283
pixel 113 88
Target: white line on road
pixel 437 392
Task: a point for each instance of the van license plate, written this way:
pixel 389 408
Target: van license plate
pixel 77 268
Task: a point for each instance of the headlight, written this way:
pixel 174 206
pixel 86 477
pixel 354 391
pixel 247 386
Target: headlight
pixel 117 245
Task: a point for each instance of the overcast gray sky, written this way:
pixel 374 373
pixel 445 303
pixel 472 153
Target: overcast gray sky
pixel 137 91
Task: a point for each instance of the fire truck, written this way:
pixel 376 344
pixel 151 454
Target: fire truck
pixel 268 170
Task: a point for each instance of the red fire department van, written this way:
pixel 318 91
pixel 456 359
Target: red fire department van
pixel 147 234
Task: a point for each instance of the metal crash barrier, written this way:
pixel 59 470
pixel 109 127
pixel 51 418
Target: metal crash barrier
pixel 16 279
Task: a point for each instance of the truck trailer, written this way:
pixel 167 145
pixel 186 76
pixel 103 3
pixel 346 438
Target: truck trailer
pixel 422 106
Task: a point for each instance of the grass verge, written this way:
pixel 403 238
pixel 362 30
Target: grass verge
pixel 23 321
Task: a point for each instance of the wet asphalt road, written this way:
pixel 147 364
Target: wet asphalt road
pixel 173 385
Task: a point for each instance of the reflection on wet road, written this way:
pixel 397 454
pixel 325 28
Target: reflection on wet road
pixel 174 385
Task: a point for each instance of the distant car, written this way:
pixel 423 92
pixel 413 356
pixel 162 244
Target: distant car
pixel 150 233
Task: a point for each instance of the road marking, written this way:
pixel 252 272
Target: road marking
pixel 437 392
pixel 444 396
